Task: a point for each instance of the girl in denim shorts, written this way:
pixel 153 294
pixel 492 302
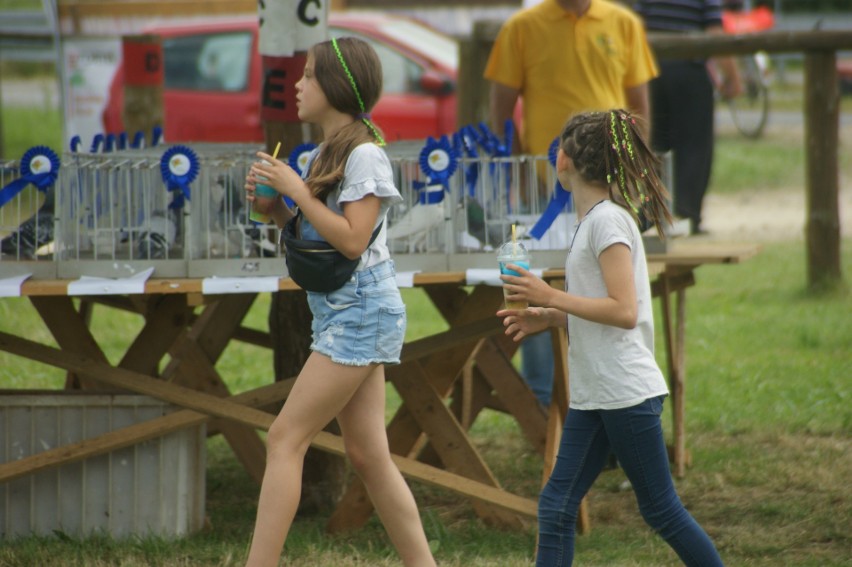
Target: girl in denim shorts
pixel 358 328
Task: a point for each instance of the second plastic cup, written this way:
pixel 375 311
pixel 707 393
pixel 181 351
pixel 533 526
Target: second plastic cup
pixel 513 253
pixel 264 196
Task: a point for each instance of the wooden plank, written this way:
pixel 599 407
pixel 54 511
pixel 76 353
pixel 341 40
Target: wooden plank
pixel 227 409
pixel 78 10
pixel 134 434
pixel 70 331
pixel 162 326
pixel 192 365
pixel 514 393
pixel 447 437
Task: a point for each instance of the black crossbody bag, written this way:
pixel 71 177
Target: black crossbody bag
pixel 316 265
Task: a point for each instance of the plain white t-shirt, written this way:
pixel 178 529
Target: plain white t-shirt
pixel 609 367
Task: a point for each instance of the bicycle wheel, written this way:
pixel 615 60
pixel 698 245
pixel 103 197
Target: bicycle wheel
pixel 750 110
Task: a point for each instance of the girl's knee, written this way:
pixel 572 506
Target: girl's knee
pixel 282 439
pixel 364 460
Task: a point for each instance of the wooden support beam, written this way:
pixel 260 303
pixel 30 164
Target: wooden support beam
pixel 211 405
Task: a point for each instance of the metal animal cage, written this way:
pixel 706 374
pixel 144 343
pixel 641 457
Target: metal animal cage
pixel 460 223
pixel 120 213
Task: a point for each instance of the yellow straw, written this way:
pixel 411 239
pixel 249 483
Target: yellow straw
pixel 514 241
pixel 275 153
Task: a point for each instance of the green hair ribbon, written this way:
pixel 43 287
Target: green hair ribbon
pixel 364 117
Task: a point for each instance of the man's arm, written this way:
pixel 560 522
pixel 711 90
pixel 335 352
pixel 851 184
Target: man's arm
pixel 639 104
pixel 501 106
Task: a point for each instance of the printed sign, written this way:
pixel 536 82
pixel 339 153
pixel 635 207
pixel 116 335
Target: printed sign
pixel 290 26
pixel 89 65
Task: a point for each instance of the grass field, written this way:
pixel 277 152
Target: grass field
pixel 769 425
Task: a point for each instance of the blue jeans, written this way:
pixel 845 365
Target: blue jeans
pixel 635 435
pixel 537 365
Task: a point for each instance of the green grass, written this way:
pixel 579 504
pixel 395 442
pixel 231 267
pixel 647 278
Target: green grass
pixel 768 423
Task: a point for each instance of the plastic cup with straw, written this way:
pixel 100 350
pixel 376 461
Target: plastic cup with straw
pixel 264 196
pixel 513 252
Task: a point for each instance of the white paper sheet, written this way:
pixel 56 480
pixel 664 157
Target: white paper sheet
pixel 406 279
pixel 239 284
pixel 11 287
pixel 90 285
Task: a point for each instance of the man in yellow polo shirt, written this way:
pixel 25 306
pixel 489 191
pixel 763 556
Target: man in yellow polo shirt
pixel 563 57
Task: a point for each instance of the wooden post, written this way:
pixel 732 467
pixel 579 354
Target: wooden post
pixel 143 83
pixel 473 89
pixel 822 138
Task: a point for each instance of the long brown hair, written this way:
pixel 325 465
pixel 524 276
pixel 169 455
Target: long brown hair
pixel 609 148
pixel 360 64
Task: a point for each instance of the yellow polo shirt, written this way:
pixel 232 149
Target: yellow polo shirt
pixel 564 65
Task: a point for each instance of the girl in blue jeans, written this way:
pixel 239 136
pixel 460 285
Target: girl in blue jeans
pixel 616 388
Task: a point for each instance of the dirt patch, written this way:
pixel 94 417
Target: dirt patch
pixel 764 216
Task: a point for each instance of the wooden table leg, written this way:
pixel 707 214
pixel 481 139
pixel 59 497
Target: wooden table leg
pixel 675 339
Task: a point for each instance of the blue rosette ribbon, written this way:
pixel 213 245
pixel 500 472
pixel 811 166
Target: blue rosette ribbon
pixel 97 143
pixel 438 161
pixel 298 158
pixel 179 167
pixel 138 140
pixel 39 167
pixel 498 148
pixel 560 200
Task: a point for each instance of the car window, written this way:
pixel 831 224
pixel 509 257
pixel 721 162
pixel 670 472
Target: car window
pixel 208 62
pixel 435 45
pixel 400 74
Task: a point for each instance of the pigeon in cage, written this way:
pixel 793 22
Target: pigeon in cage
pixel 488 232
pixel 415 225
pixel 159 235
pixel 232 221
pixel 33 233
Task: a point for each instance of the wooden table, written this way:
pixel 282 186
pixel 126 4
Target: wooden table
pixel 445 380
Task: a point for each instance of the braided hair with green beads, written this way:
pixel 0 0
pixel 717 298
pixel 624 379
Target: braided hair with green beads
pixel 609 148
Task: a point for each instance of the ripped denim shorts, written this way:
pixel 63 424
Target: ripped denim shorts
pixel 363 322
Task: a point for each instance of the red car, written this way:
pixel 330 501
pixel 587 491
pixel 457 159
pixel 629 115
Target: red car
pixel 222 103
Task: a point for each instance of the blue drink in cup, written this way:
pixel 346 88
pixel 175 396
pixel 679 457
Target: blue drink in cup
pixel 264 196
pixel 513 252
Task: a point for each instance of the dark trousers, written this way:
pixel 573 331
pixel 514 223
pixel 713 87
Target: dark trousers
pixel 635 435
pixel 682 122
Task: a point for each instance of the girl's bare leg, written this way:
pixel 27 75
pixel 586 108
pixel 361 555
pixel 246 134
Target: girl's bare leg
pixel 362 422
pixel 322 390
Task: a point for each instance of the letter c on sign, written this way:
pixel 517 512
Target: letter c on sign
pixel 303 12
